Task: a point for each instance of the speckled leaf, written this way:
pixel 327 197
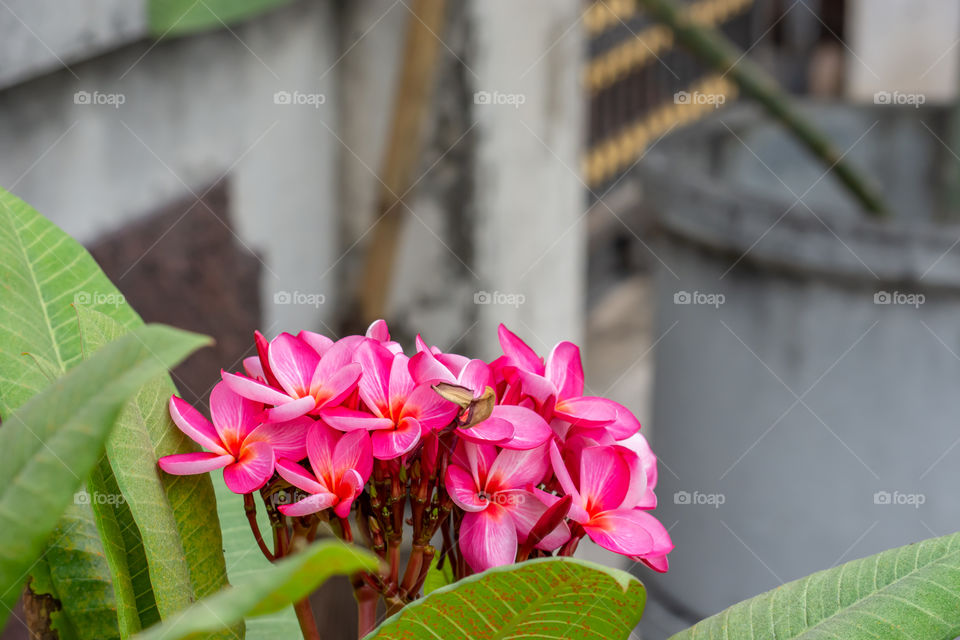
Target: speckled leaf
pixel 179 17
pixel 278 586
pixel 54 440
pixel 43 271
pixel 909 592
pixel 546 598
pixel 180 532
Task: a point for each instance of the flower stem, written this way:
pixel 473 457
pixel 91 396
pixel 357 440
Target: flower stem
pixel 367 598
pixel 250 506
pixel 308 624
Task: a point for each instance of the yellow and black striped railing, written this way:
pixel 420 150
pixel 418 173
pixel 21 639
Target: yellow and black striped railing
pixel 641 85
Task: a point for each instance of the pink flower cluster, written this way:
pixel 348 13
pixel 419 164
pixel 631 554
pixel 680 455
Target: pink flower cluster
pixel 522 462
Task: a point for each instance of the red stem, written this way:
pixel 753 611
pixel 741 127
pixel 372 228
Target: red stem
pixel 308 624
pixel 250 507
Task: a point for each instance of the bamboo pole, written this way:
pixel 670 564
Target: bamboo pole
pixel 718 52
pixel 410 109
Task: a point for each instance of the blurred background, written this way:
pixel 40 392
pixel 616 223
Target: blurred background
pixel 571 169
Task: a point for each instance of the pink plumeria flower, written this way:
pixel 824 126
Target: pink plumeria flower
pixel 609 501
pixel 341 464
pixel 236 442
pixel 557 387
pixel 400 411
pixel 307 382
pixel 495 492
pixel 509 426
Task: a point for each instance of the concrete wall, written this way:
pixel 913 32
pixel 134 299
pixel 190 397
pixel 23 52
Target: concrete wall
pixel 178 116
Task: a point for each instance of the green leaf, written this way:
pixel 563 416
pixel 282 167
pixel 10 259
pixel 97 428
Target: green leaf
pixel 176 541
pixel 545 598
pixel 245 561
pixel 909 592
pixel 287 581
pixel 120 543
pixel 53 441
pixel 179 17
pixel 80 577
pixel 437 578
pixel 43 272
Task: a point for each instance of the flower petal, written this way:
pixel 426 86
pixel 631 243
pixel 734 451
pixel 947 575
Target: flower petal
pixel 426 369
pixel 234 416
pixel 476 375
pixel 288 439
pixel 192 423
pixel 253 389
pixel 350 487
pixel 565 370
pixel 604 478
pixel 253 367
pixel 526 509
pixel 311 504
pixel 488 538
pixel 401 383
pixel 375 360
pixel 346 419
pixel 587 411
pixel 185 464
pixel 251 470
pixel 517 469
pixel 353 451
pixel 625 424
pixel 299 477
pixel 463 489
pixel 563 476
pixel 490 431
pixel 392 443
pixel 331 391
pixel 290 409
pixel 529 429
pixel 430 409
pixel 293 363
pixel 639 493
pixel 518 353
pixel 629 532
pixel 318 342
pixel 378 330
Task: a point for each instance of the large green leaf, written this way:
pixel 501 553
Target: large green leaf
pixel 280 585
pixel 52 442
pixel 43 272
pixel 245 561
pixel 175 541
pixel 905 593
pixel 546 598
pixel 178 17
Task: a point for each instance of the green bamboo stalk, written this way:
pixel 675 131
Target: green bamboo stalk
pixel 718 52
